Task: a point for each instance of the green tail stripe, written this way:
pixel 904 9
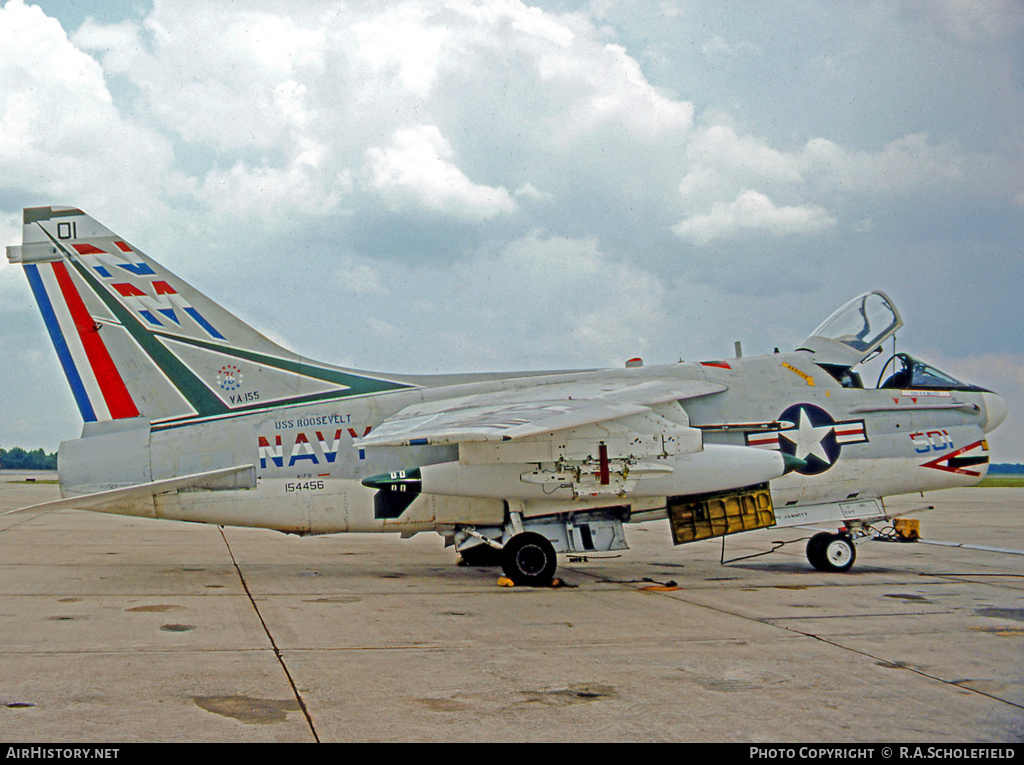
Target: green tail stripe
pixel 201 398
pixel 357 384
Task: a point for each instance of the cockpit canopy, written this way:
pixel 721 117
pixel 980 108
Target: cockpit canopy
pixel 855 331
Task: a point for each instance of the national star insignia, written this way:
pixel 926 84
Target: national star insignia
pixel 807 438
pixel 810 434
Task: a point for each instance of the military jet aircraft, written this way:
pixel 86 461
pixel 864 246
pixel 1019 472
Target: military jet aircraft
pixel 190 414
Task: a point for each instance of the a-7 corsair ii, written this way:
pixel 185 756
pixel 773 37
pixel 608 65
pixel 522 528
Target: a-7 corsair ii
pixel 192 415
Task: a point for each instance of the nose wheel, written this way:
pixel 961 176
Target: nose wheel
pixel 831 552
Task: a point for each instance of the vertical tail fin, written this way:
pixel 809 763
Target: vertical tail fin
pixel 134 340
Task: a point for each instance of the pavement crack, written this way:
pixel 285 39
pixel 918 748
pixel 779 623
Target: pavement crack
pixel 921 673
pixel 270 637
pixel 778 622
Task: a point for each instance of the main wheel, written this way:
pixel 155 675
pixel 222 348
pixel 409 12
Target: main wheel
pixel 831 552
pixel 528 559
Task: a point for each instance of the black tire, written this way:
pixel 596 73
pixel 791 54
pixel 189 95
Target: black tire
pixel 815 546
pixel 529 560
pixel 831 552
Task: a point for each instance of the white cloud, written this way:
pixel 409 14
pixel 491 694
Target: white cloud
pixel 630 321
pixel 266 87
pixel 417 168
pixel 60 133
pixel 904 166
pixel 216 75
pixel 121 44
pixel 721 162
pixel 732 180
pixel 753 213
pixel 271 193
pixel 604 87
pixel 404 38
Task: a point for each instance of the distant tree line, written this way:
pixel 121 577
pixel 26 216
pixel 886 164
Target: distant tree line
pixel 17 458
pixel 1005 468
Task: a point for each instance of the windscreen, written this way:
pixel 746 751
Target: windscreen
pixel 911 373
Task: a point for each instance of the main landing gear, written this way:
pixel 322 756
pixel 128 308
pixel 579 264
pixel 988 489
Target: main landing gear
pixel 528 559
pixel 831 552
pixel 527 549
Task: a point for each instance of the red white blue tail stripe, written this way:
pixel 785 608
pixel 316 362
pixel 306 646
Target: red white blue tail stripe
pixel 98 388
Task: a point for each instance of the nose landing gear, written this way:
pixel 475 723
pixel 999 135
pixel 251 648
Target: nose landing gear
pixel 831 552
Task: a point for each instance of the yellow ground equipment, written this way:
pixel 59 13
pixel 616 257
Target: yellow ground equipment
pixel 907 529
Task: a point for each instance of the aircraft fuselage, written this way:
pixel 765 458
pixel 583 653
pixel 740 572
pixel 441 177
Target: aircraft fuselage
pixel 861 444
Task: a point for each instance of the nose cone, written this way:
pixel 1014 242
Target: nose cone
pixel 995 411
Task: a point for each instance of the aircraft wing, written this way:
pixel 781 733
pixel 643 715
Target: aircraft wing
pixel 563 441
pixel 517 414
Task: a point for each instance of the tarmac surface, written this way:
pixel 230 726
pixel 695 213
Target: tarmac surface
pixel 124 630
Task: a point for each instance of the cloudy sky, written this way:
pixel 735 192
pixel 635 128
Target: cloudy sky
pixel 430 186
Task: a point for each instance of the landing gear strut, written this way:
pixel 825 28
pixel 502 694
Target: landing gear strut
pixel 831 552
pixel 528 559
pixel 527 549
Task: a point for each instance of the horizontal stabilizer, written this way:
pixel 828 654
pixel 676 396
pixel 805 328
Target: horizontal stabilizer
pixel 212 479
